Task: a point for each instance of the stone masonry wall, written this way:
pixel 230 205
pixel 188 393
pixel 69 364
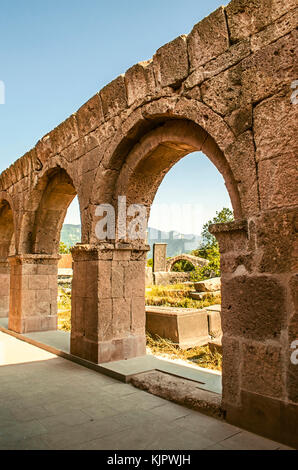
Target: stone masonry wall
pixel 224 89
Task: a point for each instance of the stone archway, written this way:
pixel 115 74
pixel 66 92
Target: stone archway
pixel 225 89
pixel 37 267
pixel 195 261
pixel 7 248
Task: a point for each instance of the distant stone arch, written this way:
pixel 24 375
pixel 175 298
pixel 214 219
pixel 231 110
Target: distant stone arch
pixel 194 260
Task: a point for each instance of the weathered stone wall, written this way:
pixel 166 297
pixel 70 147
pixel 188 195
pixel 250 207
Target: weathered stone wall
pixel 224 89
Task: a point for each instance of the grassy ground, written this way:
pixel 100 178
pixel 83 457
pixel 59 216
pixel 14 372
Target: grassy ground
pixel 64 310
pixel 171 296
pixel 177 295
pixel 200 355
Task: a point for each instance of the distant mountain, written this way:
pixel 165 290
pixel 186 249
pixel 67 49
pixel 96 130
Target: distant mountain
pixel 177 243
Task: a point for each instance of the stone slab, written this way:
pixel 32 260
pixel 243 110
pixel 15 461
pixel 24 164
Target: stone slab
pixel 209 285
pixel 184 327
pixel 203 295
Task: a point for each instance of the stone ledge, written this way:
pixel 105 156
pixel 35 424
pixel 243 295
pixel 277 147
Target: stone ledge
pixel 183 392
pixel 236 225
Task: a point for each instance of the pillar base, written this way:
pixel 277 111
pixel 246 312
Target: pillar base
pixel 108 351
pixel 108 302
pixel 33 293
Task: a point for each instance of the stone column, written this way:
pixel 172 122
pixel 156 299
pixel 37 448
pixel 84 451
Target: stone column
pixel 159 257
pixel 33 293
pixel 4 288
pixel 260 323
pixel 108 302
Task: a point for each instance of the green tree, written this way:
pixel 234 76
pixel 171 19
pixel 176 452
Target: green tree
pixel 64 249
pixel 209 248
pixel 183 266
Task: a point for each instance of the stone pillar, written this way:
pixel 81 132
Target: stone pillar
pixel 33 293
pixel 259 322
pixel 159 257
pixel 108 302
pixel 4 288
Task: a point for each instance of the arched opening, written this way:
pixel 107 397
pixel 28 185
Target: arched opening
pixel 70 235
pixel 182 265
pixel 144 170
pixel 7 248
pixel 7 241
pixel 35 303
pixel 57 194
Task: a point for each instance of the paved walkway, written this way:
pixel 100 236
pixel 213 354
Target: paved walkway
pixel 47 402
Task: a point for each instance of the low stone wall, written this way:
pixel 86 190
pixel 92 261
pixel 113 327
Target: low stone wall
pixel 148 276
pixel 166 278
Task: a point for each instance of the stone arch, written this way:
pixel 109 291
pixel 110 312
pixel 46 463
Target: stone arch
pixel 194 260
pixel 7 226
pixel 158 150
pixel 7 248
pixel 46 209
pixel 231 77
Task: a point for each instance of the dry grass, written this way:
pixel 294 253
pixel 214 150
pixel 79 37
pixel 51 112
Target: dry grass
pixel 177 296
pixel 173 296
pixel 64 310
pixel 200 355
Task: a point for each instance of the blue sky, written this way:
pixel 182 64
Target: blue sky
pixel 55 55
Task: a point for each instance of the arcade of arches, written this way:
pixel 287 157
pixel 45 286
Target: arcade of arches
pixel 225 89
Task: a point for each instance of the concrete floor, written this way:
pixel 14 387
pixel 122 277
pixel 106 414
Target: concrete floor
pixel 58 342
pixel 47 402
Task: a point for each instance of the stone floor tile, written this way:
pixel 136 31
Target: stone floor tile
pixel 245 440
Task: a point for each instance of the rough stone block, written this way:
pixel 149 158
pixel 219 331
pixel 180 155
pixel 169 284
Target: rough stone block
pixel 272 229
pixel 117 281
pixel 204 295
pixel 104 279
pixel 274 31
pixel 209 285
pixel 148 276
pixel 246 17
pixel 292 376
pixel 90 115
pixel 113 97
pixel 240 120
pixel 262 369
pixel 275 126
pixel 185 327
pixel 38 282
pixel 241 157
pixel 159 257
pixel 140 81
pixel 214 320
pixel 269 69
pixel 228 59
pixel 65 134
pixel 224 91
pixel 138 315
pixel 278 181
pixel 231 378
pixel 121 317
pixel 134 279
pixel 253 307
pixel 171 63
pixel 208 39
